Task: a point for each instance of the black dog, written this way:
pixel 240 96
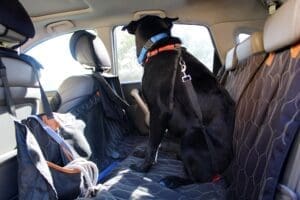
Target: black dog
pixel 164 90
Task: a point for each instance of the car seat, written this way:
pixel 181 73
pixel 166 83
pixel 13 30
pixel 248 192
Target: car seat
pixel 264 82
pixel 18 74
pixel 94 98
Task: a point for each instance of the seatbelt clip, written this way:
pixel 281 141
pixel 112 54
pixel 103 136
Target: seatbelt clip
pixel 185 77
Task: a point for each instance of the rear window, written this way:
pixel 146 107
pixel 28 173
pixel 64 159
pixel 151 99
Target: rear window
pixel 195 38
pixel 242 36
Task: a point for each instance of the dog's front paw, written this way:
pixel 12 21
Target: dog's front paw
pixel 139 153
pixel 144 167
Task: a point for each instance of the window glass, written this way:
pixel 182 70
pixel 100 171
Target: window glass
pixel 242 36
pixel 58 63
pixel 195 38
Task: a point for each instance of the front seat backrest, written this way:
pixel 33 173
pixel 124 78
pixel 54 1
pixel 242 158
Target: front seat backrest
pixel 91 53
pixel 267 113
pixel 90 98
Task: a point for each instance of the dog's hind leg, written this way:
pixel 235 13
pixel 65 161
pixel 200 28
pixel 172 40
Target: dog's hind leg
pixel 196 156
pixel 173 182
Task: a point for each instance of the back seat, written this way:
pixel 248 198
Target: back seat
pixel 266 90
pixel 263 78
pixel 242 62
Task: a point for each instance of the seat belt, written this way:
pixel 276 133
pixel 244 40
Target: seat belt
pixel 8 97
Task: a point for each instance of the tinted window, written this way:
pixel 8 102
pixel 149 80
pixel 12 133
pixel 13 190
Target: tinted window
pixel 242 36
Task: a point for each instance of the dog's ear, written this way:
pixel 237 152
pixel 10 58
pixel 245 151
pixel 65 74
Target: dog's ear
pixel 169 21
pixel 131 27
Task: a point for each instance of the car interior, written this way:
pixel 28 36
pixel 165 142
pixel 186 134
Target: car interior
pixel 251 46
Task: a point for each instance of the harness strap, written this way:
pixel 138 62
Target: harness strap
pixel 193 99
pixel 169 47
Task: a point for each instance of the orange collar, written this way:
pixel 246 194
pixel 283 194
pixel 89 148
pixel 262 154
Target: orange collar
pixel 169 47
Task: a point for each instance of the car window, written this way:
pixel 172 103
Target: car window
pixel 195 38
pixel 58 63
pixel 242 36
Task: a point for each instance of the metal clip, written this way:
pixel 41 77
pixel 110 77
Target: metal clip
pixel 185 77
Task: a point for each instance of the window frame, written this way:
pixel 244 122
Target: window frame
pixel 115 68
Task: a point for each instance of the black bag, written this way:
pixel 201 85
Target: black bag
pixel 47 165
pixel 49 168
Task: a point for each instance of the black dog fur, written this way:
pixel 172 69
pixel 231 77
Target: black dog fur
pixel 216 105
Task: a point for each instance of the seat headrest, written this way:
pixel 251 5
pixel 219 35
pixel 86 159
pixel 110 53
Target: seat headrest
pixel 15 24
pixel 89 50
pixel 282 28
pixel 250 46
pixel 231 59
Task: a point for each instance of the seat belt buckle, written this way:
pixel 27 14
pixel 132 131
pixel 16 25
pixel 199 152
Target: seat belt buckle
pixel 185 77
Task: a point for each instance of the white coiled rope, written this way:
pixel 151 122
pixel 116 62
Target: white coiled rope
pixel 89 175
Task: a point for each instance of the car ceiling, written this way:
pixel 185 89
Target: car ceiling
pixel 69 15
pixel 104 13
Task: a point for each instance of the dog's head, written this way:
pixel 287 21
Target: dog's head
pixel 147 27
